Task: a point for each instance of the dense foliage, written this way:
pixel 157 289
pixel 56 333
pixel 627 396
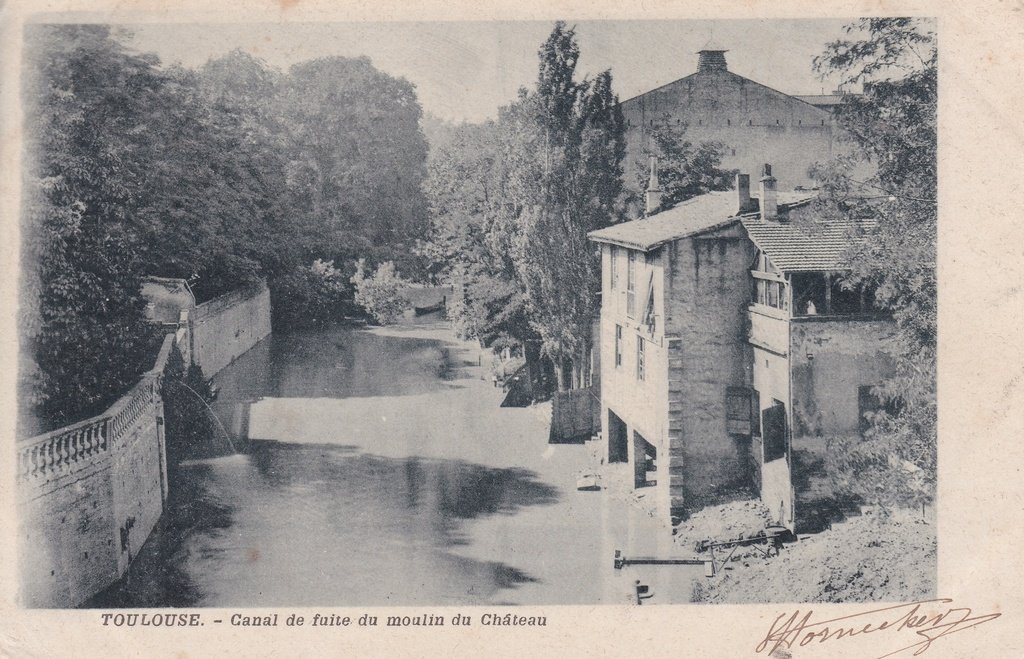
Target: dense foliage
pixel 894 125
pixel 88 103
pixel 225 176
pixel 685 170
pixel 514 200
pixel 380 292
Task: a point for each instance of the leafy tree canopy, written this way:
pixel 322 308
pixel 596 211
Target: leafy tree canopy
pixel 894 125
pixel 224 176
pixel 685 170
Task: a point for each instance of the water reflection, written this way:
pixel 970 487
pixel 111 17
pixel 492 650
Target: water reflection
pixel 339 363
pixel 322 525
pixel 327 524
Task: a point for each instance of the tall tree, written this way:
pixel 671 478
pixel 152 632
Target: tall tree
pixel 469 242
pixel 894 125
pixel 357 159
pixel 569 148
pixel 89 104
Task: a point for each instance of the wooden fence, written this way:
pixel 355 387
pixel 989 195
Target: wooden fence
pixel 575 415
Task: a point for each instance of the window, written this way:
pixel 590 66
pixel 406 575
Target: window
pixel 640 366
pixel 769 292
pixel 774 428
pixel 738 413
pixel 618 345
pixel 755 412
pixel 631 284
pixel 614 267
pixel 649 318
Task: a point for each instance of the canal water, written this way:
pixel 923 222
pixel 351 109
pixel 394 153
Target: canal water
pixel 377 467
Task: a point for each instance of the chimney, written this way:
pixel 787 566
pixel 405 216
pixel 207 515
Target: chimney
pixel 769 195
pixel 743 193
pixel 653 190
pixel 711 58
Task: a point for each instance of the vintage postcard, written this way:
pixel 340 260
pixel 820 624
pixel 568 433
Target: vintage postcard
pixel 450 329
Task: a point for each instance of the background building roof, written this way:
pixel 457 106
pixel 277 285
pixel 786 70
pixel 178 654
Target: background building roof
pixel 683 219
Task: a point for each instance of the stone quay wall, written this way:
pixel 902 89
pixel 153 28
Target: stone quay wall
pixel 89 494
pixel 227 326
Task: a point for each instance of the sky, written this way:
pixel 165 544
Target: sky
pixel 463 71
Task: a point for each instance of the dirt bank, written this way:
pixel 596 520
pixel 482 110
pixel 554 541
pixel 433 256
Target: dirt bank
pixel 870 558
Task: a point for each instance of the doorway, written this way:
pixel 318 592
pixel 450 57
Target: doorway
pixel 618 439
pixel 645 461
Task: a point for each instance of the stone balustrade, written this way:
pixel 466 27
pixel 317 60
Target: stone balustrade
pixel 70 449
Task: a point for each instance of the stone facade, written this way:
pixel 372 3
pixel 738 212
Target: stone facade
pixel 694 353
pixel 754 123
pixel 707 293
pixel 739 392
pixel 832 363
pixel 813 370
pixel 89 495
pixel 625 397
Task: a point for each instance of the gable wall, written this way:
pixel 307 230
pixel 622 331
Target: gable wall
pixel 760 124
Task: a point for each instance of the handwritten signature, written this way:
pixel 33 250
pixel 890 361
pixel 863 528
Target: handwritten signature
pixel 928 619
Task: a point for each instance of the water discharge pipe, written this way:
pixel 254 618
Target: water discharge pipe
pixel 216 418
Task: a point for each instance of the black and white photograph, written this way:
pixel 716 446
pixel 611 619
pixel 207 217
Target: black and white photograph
pixel 502 315
pixel 509 313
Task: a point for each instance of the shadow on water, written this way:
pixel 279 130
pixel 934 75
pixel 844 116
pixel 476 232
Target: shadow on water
pixel 308 524
pixel 304 502
pixel 158 577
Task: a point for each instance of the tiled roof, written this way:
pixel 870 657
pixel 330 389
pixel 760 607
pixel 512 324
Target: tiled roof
pixel 693 216
pixel 793 249
pixel 684 219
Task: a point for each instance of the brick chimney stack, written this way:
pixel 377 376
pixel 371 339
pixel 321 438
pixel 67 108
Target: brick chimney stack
pixel 743 193
pixel 653 197
pixel 769 195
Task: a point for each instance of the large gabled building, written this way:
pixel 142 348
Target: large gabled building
pixel 730 353
pixel 754 123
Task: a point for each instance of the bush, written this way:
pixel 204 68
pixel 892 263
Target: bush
pixel 381 293
pixel 310 295
pixel 190 426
